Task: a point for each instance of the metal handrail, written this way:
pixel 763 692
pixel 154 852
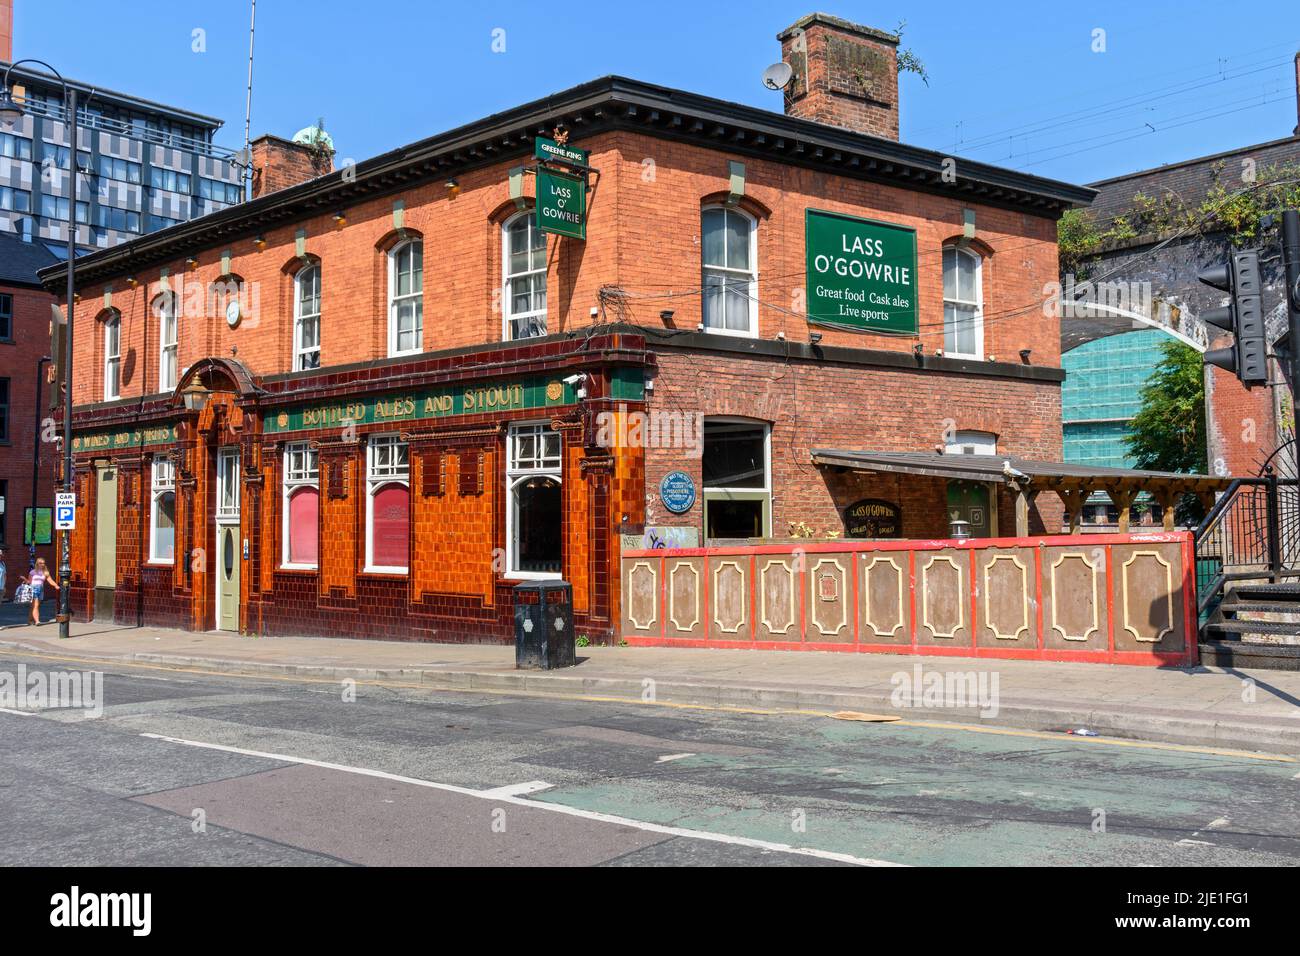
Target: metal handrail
pixel 1255 548
pixel 108 124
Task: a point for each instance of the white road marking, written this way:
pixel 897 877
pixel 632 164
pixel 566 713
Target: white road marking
pixel 18 713
pixel 518 789
pixel 1217 822
pixel 537 805
pixel 1194 843
pixel 667 757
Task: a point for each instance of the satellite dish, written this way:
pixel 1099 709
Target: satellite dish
pixel 778 76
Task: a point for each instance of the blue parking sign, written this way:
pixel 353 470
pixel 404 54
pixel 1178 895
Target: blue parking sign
pixel 65 511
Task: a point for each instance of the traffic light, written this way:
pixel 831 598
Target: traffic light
pixel 57 373
pixel 1243 316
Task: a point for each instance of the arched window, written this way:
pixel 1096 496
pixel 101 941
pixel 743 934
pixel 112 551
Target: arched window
pixel 301 506
pixel 963 303
pixel 306 318
pixel 406 298
pixel 523 256
pixel 729 257
pixel 168 337
pixel 162 513
pixel 533 522
pixel 112 356
pixel 388 504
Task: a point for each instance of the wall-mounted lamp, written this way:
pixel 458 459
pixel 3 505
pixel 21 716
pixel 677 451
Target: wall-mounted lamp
pixel 340 220
pixel 453 188
pixel 195 396
pixel 191 263
pixel 132 281
pixel 1024 355
pixel 667 316
pixel 260 242
pixel 814 337
pixel 918 350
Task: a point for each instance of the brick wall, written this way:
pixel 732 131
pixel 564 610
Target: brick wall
pixel 845 74
pixel 643 235
pixel 18 358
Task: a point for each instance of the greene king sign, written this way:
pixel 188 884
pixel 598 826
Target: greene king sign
pixel 861 273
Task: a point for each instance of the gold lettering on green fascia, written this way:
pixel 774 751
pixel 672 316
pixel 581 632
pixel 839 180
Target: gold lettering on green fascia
pixel 99 441
pixel 395 408
pixel 492 398
pixel 354 412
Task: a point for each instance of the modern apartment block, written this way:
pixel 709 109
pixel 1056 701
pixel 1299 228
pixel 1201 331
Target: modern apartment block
pixel 142 166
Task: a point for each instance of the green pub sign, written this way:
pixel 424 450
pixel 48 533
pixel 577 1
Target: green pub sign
pixel 561 204
pixel 548 149
pixel 861 273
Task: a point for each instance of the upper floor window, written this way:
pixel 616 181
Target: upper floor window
pixel 730 262
pixel 165 309
pixel 169 179
pixel 306 319
pixel 963 304
pixel 123 170
pixel 6 317
pixel 15 147
pixel 524 256
pixel 4 409
pixel 406 298
pixel 112 357
pixel 15 200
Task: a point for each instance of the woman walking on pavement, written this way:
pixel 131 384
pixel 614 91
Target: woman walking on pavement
pixel 38 577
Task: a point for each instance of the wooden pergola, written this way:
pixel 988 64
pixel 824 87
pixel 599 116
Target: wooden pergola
pixel 1027 479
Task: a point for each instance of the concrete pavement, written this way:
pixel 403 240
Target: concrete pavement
pixel 1227 708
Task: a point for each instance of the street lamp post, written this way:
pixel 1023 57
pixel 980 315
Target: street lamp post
pixel 9 112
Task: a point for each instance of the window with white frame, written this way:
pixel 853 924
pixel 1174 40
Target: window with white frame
pixel 967 442
pixel 228 484
pixel 112 357
pixel 388 504
pixel 524 260
pixel 406 298
pixel 301 533
pixel 737 478
pixel 730 263
pixel 162 513
pixel 167 342
pixel 306 319
pixel 533 516
pixel 963 305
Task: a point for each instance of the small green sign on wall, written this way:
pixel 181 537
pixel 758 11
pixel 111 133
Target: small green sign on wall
pixel 861 273
pixel 561 204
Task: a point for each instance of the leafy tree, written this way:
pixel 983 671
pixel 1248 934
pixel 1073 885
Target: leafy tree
pixel 1168 432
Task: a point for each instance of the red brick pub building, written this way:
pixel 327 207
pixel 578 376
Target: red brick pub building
pixel 372 402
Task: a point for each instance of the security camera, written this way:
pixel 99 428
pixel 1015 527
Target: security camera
pixel 575 378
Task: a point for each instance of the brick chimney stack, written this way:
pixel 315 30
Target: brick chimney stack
pixel 281 163
pixel 7 30
pixel 845 74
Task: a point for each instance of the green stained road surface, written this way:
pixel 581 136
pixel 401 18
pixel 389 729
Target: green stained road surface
pixel 289 771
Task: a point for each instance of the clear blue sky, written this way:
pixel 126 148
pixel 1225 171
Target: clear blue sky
pixel 1017 84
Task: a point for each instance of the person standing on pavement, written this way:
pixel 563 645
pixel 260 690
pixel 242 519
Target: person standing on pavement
pixel 3 571
pixel 38 578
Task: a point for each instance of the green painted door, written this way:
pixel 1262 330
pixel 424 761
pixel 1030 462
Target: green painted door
pixel 228 560
pixel 970 501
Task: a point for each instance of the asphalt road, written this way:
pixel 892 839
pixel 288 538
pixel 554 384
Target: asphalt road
pixel 186 768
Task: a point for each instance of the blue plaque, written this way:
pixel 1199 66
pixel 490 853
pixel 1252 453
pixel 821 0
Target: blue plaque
pixel 677 492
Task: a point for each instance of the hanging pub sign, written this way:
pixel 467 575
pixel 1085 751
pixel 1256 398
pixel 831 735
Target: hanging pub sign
pixel 548 150
pixel 561 204
pixel 873 518
pixel 861 273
